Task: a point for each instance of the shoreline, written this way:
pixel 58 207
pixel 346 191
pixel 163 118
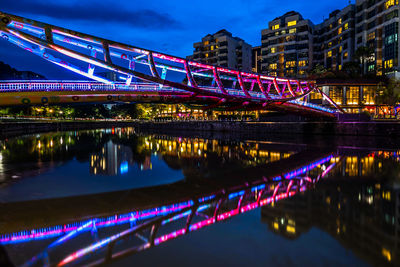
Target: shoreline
pixel 366 129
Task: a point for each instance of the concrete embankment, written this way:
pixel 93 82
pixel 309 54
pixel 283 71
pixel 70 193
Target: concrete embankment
pixel 382 129
pixel 260 128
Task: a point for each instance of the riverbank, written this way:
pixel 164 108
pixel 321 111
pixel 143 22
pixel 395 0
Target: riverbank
pixel 29 127
pixel 381 129
pixel 262 128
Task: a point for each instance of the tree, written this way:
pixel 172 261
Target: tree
pixel 389 93
pixel 352 68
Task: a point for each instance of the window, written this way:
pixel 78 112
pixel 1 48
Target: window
pixel 340 67
pixel 315 95
pixel 273 66
pixel 330 44
pixel 291 23
pixel 329 54
pixel 390 3
pixel 391 39
pixel 206 43
pixel 371 36
pixel 336 94
pixel 273 50
pixel 345 55
pixel 293 30
pixel 340 21
pixel 389 64
pixel 302 63
pixel 371 68
pixel 275 27
pixel 290 64
pixel 212 47
pixel 346 26
pixel 353 95
pixel 369 95
pixel 340 49
pixel 340 30
pixel 206 54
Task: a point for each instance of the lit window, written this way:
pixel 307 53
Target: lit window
pixel 293 30
pixel 329 54
pixel 336 94
pixel 387 254
pixel 273 66
pixel 346 26
pixel 390 3
pixel 273 50
pixel 329 44
pixel 389 64
pixel 290 64
pixel 212 47
pixel 275 27
pixel 340 67
pixel 340 21
pixel 371 36
pixel 353 95
pixel 206 54
pixel 291 23
pixel 345 55
pixel 302 63
pixel 330 26
pixel 340 49
pixel 340 30
pixel 206 43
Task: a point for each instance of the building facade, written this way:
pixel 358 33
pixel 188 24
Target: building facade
pixel 224 50
pixel 334 39
pixel 287 46
pixel 377 27
pixel 291 44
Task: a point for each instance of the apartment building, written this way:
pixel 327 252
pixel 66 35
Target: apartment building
pixel 287 46
pixel 377 27
pixel 334 39
pixel 222 49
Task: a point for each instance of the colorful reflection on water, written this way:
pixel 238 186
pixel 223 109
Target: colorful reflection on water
pixel 115 196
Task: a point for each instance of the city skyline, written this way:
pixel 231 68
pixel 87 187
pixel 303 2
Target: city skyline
pixel 169 22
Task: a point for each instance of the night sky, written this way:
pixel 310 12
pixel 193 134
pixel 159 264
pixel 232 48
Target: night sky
pixel 169 26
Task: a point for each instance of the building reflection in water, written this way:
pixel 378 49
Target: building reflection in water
pixel 114 159
pixel 358 204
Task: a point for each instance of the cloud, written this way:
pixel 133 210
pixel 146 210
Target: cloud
pixel 102 13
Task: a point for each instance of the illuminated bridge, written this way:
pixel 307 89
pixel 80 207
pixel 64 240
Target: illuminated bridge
pixel 144 76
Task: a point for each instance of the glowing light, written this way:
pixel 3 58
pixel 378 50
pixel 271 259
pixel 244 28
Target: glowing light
pixel 124 167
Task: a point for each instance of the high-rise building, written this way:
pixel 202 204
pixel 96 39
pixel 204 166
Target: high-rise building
pixel 224 50
pixel 287 46
pixel 377 27
pixel 334 39
pixel 292 44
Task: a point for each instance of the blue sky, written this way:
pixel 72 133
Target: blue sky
pixel 166 26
